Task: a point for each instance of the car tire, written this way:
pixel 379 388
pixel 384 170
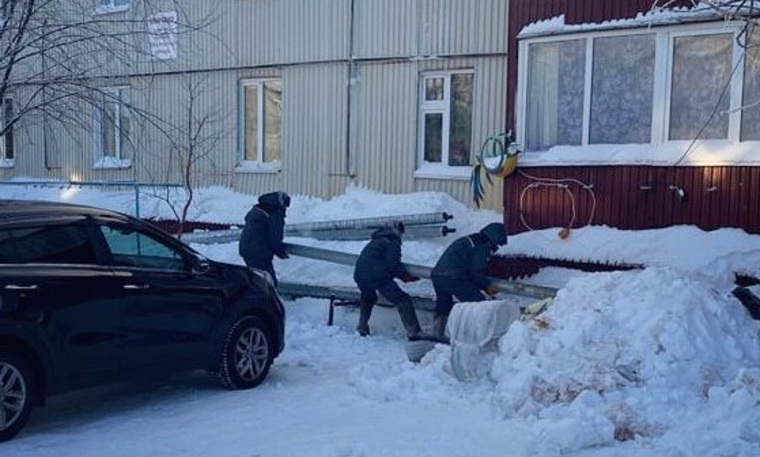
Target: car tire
pixel 247 354
pixel 17 390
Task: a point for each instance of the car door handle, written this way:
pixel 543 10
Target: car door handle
pixel 17 287
pixel 136 286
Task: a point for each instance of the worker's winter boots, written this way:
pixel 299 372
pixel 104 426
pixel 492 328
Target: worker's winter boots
pixel 365 311
pixel 409 319
pixel 439 328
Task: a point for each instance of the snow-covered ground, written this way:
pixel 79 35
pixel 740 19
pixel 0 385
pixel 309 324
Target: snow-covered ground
pixel 661 361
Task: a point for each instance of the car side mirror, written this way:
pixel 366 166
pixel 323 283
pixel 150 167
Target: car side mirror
pixel 199 264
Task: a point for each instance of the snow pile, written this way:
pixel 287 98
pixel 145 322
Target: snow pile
pixel 714 256
pixel 358 202
pixel 631 355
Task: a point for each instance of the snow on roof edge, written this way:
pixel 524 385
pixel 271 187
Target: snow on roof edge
pixel 656 17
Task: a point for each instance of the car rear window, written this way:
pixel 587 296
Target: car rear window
pixel 59 244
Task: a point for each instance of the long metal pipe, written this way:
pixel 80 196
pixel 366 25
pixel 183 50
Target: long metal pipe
pixel 411 232
pixel 296 290
pixel 212 237
pixel 229 236
pixel 370 222
pixel 345 258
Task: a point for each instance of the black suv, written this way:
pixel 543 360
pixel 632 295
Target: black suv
pixel 90 296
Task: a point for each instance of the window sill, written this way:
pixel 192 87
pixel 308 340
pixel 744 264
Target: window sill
pixel 258 167
pixel 7 163
pixel 107 163
pixel 702 154
pixel 439 171
pixel 111 9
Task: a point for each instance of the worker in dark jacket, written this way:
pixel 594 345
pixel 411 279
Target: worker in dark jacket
pixel 461 272
pixel 263 232
pixel 377 266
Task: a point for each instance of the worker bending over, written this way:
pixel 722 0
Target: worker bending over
pixel 377 266
pixel 461 272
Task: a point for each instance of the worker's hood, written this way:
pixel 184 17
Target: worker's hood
pixel 496 233
pixel 275 199
pixel 386 232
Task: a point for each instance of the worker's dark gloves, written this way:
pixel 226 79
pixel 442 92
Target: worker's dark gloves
pixel 491 290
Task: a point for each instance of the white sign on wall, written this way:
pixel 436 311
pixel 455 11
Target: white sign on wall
pixel 162 35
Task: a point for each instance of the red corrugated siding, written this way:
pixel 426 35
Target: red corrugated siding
pixel 715 197
pixel 622 199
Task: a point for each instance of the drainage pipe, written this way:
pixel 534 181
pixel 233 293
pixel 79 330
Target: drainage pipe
pixel 345 258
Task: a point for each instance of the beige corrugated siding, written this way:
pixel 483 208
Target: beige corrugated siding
pixel 244 33
pixel 385 28
pixel 394 28
pixel 450 27
pixel 175 99
pixel 384 123
pixel 308 44
pixel 383 126
pixel 314 130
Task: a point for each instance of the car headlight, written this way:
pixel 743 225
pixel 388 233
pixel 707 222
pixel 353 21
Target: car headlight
pixel 279 302
pixel 263 275
pixel 277 297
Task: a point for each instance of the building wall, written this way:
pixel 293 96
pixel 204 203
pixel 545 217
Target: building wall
pixel 524 12
pixel 393 28
pixel 626 197
pixel 270 32
pixel 384 123
pixel 634 197
pixel 350 72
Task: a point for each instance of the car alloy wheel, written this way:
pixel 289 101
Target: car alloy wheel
pixel 251 353
pixel 247 354
pixel 16 386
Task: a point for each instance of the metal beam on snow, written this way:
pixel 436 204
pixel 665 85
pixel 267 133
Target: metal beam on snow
pixel 345 258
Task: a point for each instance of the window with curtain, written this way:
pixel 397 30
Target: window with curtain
pixel 699 100
pixel 555 94
pixel 645 86
pixel 622 89
pixel 750 130
pixel 261 119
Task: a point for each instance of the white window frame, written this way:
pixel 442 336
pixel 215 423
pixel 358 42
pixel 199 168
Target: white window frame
pixel 5 161
pixel 735 91
pixel 664 45
pixel 111 7
pixel 440 169
pixel 119 159
pixel 259 165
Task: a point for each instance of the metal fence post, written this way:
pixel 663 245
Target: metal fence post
pixel 137 200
